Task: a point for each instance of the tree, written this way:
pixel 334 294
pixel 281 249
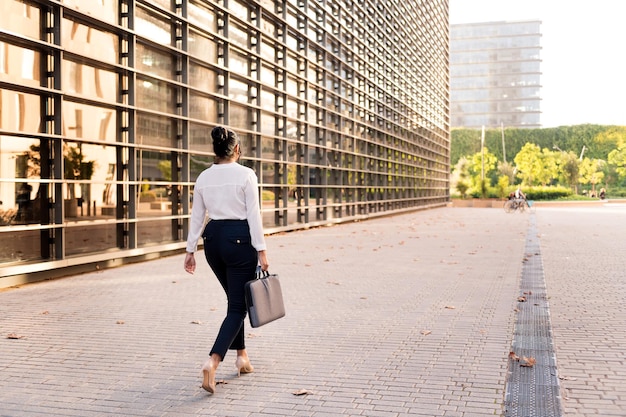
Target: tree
pixel 617 157
pixel 460 175
pixel 591 172
pixel 506 169
pixel 529 164
pixel 569 168
pixel 479 160
pixel 550 167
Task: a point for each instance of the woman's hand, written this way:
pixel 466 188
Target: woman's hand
pixel 190 263
pixel 263 260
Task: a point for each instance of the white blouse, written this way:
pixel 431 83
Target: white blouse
pixel 226 192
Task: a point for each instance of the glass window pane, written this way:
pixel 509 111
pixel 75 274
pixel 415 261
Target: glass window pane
pixel 155 95
pixel 202 15
pixel 200 138
pixel 20 17
pixel 92 171
pixel 238 90
pixel 202 78
pixel 154 62
pixel 238 62
pixel 202 108
pixel 19 203
pixel 154 232
pixel 238 35
pixel 153 26
pixel 89 81
pixel 202 46
pixel 89 41
pixel 20 111
pixel 19 245
pixel 154 130
pixel 199 163
pixel 103 9
pixel 88 122
pixel 239 116
pixel 20 65
pixel 94 238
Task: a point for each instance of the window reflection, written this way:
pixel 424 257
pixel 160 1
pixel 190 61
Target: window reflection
pixel 89 171
pixel 154 62
pixel 202 77
pixel 153 26
pixel 20 16
pixel 200 138
pixel 154 130
pixel 202 15
pixel 202 108
pixel 202 46
pixel 198 163
pixel 19 65
pixel 89 122
pixel 89 81
pixel 19 194
pixel 89 41
pixel 20 111
pixel 155 95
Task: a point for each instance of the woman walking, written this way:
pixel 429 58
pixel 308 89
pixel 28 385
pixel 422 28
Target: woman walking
pixel 233 242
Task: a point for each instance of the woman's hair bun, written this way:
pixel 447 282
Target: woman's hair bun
pixel 224 141
pixel 219 134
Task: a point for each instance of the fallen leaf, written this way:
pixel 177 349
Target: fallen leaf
pixel 425 332
pixel 528 362
pixel 302 392
pixel 513 356
pixel 521 299
pixel 119 322
pixel 45 312
pixel 14 336
pixel 450 307
pixel 196 322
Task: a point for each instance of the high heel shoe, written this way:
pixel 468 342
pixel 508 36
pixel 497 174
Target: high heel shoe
pixel 208 374
pixel 243 366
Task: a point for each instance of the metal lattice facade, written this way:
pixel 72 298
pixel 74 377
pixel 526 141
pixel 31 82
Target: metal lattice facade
pixel 107 105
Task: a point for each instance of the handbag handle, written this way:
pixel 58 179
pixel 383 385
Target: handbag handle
pixel 260 273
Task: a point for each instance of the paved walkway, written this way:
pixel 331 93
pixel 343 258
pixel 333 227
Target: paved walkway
pixel 405 315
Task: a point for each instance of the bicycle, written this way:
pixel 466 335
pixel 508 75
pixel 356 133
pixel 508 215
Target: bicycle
pixel 516 204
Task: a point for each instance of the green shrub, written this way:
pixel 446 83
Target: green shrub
pixel 546 193
pixel 267 195
pixel 147 197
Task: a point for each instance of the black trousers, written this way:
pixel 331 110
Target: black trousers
pixel 233 259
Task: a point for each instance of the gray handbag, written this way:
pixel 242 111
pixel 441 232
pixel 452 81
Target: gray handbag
pixel 264 298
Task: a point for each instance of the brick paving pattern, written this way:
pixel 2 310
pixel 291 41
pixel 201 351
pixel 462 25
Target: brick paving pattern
pixel 396 316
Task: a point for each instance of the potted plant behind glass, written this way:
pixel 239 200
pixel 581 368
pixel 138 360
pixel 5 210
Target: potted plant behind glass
pixel 75 168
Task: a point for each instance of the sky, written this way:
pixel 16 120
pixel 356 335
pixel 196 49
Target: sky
pixel 583 54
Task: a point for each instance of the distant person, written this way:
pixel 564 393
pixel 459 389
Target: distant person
pixel 519 195
pixel 602 194
pixel 24 203
pixel 233 242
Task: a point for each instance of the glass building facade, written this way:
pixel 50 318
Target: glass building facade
pixel 107 106
pixel 495 74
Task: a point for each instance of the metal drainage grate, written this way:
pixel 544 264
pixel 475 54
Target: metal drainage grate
pixel 533 391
